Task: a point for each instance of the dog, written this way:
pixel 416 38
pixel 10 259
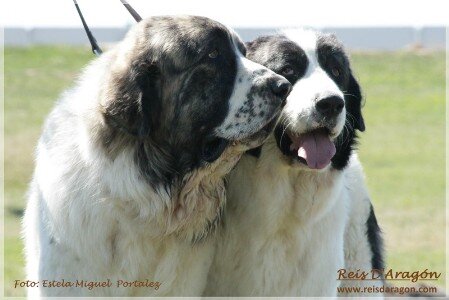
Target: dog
pixel 298 211
pixel 129 179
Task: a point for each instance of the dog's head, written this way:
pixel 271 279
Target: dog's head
pixel 323 110
pixel 182 98
pixel 183 86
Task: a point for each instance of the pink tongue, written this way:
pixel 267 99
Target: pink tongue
pixel 317 149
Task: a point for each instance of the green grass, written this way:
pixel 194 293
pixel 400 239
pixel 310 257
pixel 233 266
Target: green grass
pixel 33 79
pixel 402 150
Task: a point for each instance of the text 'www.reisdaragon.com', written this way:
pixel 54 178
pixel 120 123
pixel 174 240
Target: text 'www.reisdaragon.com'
pixel 397 290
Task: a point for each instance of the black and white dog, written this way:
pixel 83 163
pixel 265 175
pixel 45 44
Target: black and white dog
pixel 298 210
pixel 129 177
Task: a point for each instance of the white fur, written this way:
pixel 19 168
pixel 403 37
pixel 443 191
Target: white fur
pixel 104 221
pixel 357 248
pixel 287 230
pixel 284 230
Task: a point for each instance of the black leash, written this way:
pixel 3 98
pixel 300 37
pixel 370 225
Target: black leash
pixel 131 10
pixel 95 48
pixel 93 42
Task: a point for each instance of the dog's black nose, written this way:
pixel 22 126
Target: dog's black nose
pixel 330 107
pixel 281 87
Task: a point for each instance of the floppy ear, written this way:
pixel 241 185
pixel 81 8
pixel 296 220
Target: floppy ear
pixel 249 45
pixel 353 101
pixel 132 93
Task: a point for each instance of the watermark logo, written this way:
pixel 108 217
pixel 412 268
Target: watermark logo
pixel 87 284
pixel 389 274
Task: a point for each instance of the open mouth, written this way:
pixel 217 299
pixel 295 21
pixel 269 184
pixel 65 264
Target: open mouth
pixel 313 148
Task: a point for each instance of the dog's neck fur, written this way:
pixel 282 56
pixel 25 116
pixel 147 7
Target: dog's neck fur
pixel 191 207
pixel 200 197
pixel 305 201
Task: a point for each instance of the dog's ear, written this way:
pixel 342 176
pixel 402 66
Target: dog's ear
pixel 132 94
pixel 249 45
pixel 353 101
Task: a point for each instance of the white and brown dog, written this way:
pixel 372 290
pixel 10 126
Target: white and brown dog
pixel 129 178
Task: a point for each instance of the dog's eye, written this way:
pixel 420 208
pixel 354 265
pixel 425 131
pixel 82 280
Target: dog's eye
pixel 214 53
pixel 287 71
pixel 335 72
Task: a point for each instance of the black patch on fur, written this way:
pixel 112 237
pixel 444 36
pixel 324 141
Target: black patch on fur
pixel 354 103
pixel 256 152
pixel 134 93
pixel 347 140
pixel 283 53
pixel 170 100
pixel 375 240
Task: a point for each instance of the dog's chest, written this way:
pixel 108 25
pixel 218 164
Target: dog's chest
pixel 289 230
pixel 179 267
pixel 305 252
